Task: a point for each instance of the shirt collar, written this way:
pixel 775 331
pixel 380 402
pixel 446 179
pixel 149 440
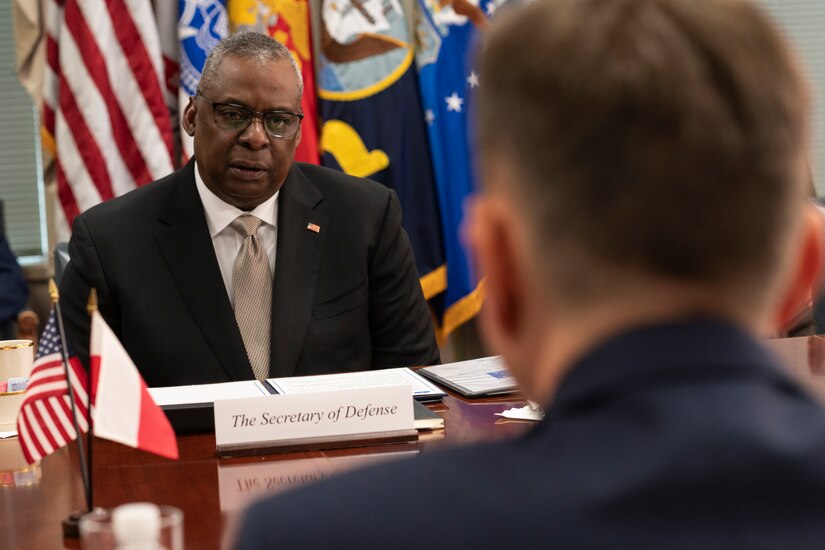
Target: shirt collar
pixel 667 354
pixel 219 214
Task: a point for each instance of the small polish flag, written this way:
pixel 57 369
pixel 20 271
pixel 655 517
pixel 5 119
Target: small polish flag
pixel 122 410
pixel 315 228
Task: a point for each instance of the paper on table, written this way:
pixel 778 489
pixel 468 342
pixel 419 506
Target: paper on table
pixel 425 419
pixel 531 411
pixel 206 393
pixel 7 435
pixel 353 380
pixel 484 376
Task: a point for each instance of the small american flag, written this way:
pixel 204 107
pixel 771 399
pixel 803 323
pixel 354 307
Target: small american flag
pixel 315 228
pixel 44 423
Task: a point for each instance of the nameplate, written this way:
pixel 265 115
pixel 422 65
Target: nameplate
pixel 323 420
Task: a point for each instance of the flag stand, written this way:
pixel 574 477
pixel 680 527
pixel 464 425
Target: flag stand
pixel 151 427
pixel 71 524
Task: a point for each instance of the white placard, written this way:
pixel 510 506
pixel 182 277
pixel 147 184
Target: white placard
pixel 276 420
pixel 420 387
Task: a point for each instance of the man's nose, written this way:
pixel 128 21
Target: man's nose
pixel 254 135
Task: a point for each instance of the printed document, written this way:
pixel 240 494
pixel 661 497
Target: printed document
pixel 421 388
pixel 206 393
pixel 477 377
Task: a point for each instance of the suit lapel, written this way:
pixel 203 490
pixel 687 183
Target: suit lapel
pixel 190 255
pixel 297 265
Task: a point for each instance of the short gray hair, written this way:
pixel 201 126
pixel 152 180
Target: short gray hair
pixel 247 45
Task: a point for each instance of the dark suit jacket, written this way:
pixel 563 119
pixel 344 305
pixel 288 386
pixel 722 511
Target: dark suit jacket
pixel 683 436
pixel 13 289
pixel 344 299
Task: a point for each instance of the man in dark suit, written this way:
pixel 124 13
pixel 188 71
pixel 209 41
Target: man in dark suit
pixel 642 222
pixel 13 289
pixel 324 282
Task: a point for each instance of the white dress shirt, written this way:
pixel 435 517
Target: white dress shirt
pixel 227 241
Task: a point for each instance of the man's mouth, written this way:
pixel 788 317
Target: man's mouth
pixel 248 169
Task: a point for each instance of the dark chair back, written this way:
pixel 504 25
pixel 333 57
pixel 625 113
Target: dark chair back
pixel 8 330
pixel 61 260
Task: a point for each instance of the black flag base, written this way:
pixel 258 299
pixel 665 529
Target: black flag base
pixel 71 525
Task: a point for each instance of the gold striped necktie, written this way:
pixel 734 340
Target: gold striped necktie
pixel 252 292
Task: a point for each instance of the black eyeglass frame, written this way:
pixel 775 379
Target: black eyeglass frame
pixel 259 114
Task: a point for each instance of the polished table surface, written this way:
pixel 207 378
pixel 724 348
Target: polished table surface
pixel 211 491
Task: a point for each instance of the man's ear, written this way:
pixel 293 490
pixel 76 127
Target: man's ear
pixel 490 236
pixel 807 275
pixel 188 119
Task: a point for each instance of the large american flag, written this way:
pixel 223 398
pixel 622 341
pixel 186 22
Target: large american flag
pixel 44 423
pixel 104 116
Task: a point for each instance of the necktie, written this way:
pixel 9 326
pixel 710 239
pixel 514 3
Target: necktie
pixel 252 291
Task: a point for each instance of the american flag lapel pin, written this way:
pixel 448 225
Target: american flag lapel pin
pixel 315 228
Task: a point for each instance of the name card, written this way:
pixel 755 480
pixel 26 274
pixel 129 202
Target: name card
pixel 309 421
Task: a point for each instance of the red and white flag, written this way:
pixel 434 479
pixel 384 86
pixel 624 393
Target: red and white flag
pixel 122 410
pixel 44 423
pixel 166 14
pixel 105 119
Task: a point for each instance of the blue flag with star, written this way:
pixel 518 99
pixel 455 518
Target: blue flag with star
pixel 372 122
pixel 447 32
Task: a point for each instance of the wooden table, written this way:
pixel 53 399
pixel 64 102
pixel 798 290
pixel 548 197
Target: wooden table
pixel 209 490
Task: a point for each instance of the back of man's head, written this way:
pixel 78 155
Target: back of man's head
pixel 648 140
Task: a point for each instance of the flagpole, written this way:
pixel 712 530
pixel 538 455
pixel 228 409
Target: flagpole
pixel 70 523
pixel 91 307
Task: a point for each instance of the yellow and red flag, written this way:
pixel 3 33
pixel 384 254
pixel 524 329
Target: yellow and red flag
pixel 287 21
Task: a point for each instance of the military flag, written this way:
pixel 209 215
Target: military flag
pixel 202 24
pixel 446 31
pixel 373 125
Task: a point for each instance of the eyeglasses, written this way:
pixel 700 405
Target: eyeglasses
pixel 237 118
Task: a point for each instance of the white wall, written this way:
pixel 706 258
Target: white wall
pixel 804 23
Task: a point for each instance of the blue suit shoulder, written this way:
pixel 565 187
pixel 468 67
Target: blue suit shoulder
pixel 381 506
pixel 704 442
pixel 13 289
